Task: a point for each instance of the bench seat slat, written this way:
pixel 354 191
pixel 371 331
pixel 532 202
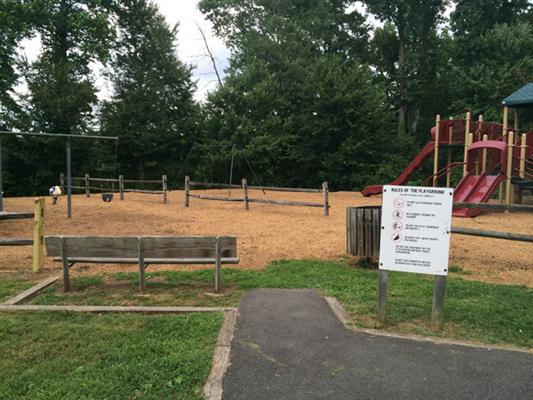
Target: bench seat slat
pixel 112 260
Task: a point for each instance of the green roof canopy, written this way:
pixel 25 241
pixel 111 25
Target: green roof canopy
pixel 521 98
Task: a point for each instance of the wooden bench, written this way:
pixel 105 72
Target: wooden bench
pixel 144 251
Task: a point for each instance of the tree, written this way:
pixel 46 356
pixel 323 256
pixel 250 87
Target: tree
pixel 74 33
pixel 152 108
pixel 15 23
pixel 492 53
pixel 413 77
pixel 297 96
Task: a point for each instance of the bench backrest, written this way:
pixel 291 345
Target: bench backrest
pixel 153 246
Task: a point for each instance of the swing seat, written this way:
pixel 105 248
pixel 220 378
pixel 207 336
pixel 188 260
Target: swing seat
pixel 107 197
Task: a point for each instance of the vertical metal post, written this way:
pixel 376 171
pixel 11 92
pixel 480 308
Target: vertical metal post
pixel 325 194
pixel 217 265
pixel 87 185
pixel 484 157
pixel 187 180
pixel 62 182
pixel 38 220
pixel 467 131
pixel 509 171
pixel 382 297
pixel 437 311
pixel 164 183
pixel 1 185
pixel 231 169
pixel 121 186
pixel 245 193
pixel 449 151
pixel 436 152
pixel 523 147
pixel 141 264
pixel 69 181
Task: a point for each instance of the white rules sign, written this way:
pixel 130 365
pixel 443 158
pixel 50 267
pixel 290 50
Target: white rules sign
pixel 415 229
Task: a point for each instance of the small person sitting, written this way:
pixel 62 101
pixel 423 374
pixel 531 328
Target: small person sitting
pixel 55 192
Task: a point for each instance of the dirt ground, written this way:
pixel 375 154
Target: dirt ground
pixel 265 232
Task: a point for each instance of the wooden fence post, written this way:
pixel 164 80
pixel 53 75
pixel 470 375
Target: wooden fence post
pixel 164 182
pixel 121 186
pixel 245 191
pixel 325 193
pixel 187 180
pixel 382 297
pixel 62 182
pixel 437 311
pixel 38 221
pixel 87 185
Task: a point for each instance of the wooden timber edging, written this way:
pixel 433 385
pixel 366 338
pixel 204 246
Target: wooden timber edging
pixel 247 200
pixel 31 291
pixel 221 357
pixel 113 309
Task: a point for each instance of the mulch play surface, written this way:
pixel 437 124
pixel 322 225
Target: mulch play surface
pixel 265 232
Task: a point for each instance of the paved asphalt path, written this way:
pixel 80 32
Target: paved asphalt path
pixel 288 344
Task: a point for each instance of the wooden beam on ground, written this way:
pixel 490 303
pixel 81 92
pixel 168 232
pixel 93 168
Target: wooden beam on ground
pixel 15 242
pixel 114 309
pixel 218 198
pixel 221 357
pixel 286 202
pixel 493 234
pixel 15 215
pixel 31 291
pixel 496 207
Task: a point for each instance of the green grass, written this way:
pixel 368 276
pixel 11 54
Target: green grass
pixel 11 285
pixel 481 312
pixel 112 356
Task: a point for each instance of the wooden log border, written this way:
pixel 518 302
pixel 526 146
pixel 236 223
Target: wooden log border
pixel 120 181
pixel 247 200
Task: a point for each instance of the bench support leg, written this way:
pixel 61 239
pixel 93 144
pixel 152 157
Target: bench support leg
pixel 217 265
pixel 66 266
pixel 141 266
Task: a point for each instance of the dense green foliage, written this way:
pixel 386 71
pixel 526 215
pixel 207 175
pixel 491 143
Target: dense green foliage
pixel 476 311
pixel 315 89
pixel 73 356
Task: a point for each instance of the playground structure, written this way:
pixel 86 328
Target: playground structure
pixel 88 185
pixel 247 200
pixel 37 241
pixel 494 158
pixel 68 147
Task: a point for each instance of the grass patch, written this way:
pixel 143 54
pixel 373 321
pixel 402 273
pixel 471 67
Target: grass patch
pixel 476 311
pixel 11 285
pixel 111 356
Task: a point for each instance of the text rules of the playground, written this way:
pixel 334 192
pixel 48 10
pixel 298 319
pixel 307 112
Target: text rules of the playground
pixel 415 229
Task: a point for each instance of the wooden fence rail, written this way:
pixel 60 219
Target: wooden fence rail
pixel 121 187
pixel 247 200
pixel 37 240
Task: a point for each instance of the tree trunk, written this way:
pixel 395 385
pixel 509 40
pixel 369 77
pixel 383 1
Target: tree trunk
pixel 140 169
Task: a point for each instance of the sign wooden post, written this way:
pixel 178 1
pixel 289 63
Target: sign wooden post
pixel 415 237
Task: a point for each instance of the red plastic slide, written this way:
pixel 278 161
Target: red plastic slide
pixel 475 189
pixel 404 176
